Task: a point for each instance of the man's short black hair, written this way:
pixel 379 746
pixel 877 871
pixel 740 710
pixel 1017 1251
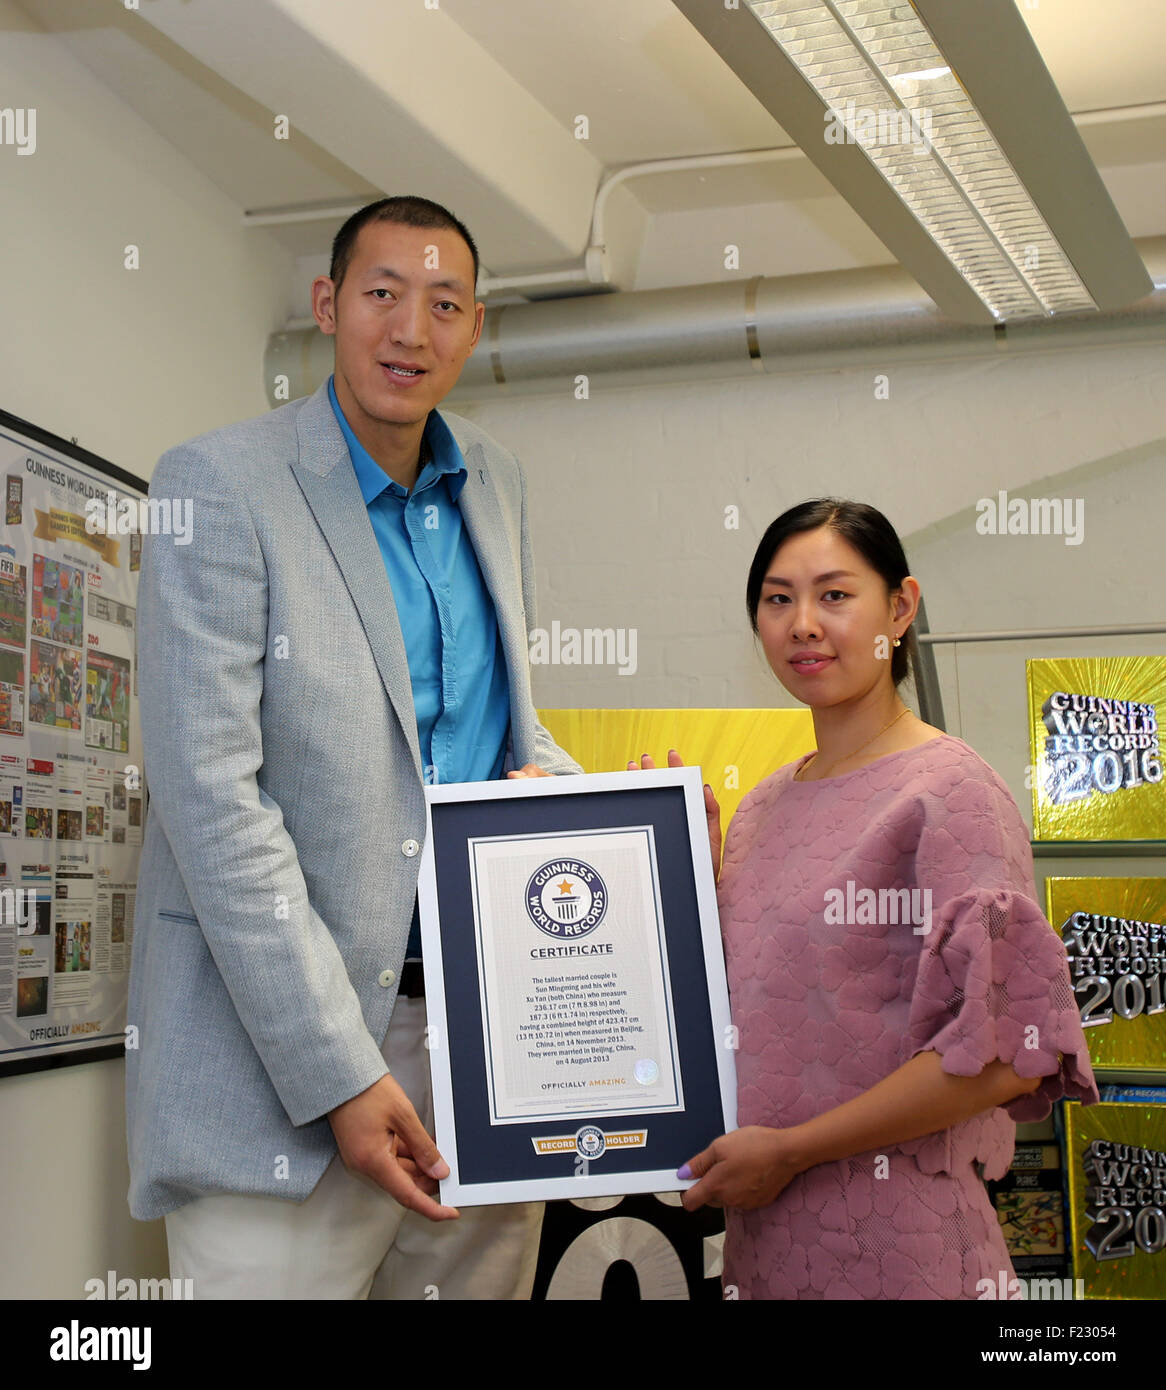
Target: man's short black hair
pixel 407 211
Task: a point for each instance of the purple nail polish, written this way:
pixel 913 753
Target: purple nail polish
pixel 684 1172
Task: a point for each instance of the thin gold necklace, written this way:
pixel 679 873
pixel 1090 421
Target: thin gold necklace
pixel 798 775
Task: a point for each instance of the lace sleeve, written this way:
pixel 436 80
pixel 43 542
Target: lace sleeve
pixel 993 984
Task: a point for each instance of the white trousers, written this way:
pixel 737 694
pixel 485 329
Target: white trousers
pixel 349 1239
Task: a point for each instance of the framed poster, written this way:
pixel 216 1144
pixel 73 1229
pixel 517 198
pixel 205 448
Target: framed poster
pixel 72 797
pixel 580 1040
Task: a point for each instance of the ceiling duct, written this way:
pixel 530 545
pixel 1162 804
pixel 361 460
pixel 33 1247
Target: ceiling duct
pixel 872 316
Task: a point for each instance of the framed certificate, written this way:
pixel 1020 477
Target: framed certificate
pixel 580 1043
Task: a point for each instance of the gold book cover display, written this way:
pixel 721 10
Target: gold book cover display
pixel 1114 930
pixel 1096 758
pixel 1117 1195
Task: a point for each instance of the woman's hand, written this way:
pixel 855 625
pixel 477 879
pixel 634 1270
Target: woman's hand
pixel 748 1168
pixel 711 810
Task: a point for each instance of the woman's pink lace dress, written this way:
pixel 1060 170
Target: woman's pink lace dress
pixel 832 991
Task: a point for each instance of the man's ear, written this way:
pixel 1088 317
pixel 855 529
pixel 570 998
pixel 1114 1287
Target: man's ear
pixel 324 303
pixel 479 320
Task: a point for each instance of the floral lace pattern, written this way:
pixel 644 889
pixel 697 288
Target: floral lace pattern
pixel 867 918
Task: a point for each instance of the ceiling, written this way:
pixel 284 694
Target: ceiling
pixel 475 104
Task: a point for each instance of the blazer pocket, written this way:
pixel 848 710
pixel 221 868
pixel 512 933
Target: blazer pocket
pixel 178 916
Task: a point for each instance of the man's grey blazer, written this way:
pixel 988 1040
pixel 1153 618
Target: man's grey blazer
pixel 286 811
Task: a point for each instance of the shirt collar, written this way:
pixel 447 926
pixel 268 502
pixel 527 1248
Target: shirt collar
pixel 438 447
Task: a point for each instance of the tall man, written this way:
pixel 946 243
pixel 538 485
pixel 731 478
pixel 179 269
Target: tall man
pixel 348 621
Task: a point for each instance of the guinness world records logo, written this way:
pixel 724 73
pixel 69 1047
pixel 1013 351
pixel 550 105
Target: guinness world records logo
pixel 566 898
pixel 590 1142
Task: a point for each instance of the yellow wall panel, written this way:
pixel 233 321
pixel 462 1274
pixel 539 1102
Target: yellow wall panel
pixel 736 748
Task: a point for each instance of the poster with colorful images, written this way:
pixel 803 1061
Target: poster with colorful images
pixel 55 685
pixel 1116 1159
pixel 1096 755
pixel 13 598
pixel 1114 930
pixel 107 700
pixel 72 796
pixel 58 598
pixel 11 691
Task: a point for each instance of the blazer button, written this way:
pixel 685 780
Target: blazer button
pixel 387 978
pixel 410 848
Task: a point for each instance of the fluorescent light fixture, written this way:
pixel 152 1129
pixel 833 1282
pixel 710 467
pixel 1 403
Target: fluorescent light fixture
pixel 939 123
pixel 924 75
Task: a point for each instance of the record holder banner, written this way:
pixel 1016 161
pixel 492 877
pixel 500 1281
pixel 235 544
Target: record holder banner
pixel 580 1042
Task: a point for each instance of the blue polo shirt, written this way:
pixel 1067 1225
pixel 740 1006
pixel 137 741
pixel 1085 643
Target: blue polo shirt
pixel 461 693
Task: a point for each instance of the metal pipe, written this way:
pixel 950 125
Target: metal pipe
pixel 926 676
pixel 1037 634
pixel 672 166
pixel 535 280
pixel 280 217
pixel 735 328
pixel 597 241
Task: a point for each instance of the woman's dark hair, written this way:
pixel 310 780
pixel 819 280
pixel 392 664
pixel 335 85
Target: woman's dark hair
pixel 866 529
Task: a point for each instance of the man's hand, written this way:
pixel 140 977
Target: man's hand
pixel 748 1168
pixel 380 1135
pixel 530 770
pixel 712 811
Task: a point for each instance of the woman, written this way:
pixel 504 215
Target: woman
pixel 889 1039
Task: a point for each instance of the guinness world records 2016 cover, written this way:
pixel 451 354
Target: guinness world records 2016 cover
pixel 1096 756
pixel 1114 931
pixel 1116 1156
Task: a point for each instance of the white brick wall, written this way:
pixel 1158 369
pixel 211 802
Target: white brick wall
pixel 628 491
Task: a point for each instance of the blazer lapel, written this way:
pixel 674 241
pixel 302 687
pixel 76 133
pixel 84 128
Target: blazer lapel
pixel 324 472
pixel 483 519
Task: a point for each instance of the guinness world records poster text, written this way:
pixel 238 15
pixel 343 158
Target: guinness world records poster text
pixel 72 795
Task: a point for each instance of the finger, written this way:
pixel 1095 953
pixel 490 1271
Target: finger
pixel 699 1165
pixel 646 763
pixel 405 1125
pixel 400 1155
pixel 699 1196
pixel 388 1173
pixel 428 1185
pixel 674 758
